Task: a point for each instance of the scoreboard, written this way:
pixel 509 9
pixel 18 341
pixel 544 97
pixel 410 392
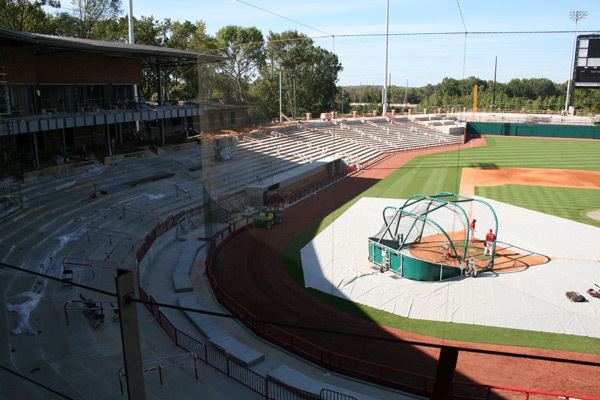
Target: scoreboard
pixel 587 62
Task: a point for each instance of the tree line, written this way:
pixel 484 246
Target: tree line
pixel 256 66
pixel 536 94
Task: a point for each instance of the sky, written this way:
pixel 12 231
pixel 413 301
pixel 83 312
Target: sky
pixel 413 57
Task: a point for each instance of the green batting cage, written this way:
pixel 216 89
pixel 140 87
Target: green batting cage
pixel 428 238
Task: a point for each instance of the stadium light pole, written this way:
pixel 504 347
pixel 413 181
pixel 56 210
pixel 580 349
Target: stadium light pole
pixel 575 16
pixel 385 83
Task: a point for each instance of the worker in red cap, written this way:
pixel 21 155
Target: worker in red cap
pixel 489 242
pixel 472 228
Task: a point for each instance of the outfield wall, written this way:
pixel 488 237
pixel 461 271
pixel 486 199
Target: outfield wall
pixel 533 130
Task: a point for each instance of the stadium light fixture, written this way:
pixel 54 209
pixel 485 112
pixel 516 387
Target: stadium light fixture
pixel 576 16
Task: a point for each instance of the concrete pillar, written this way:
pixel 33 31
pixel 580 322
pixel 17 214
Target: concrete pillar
pixel 410 111
pixel 308 116
pixel 354 114
pixel 424 111
pixel 464 109
pixel 393 112
pixel 374 113
pixel 439 110
pixel 452 110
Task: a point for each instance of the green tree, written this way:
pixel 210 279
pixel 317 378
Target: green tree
pixel 289 51
pixel 89 13
pixel 317 81
pixel 244 48
pixel 26 16
pixel 308 75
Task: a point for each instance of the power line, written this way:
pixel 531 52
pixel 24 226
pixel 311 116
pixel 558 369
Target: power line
pixel 461 16
pixel 70 282
pixel 465 42
pixel 281 16
pixel 404 34
pixel 455 33
pixel 318 330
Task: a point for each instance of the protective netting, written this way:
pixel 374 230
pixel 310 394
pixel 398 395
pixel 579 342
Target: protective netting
pixel 430 218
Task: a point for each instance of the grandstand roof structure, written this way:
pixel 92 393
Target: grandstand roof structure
pixel 14 38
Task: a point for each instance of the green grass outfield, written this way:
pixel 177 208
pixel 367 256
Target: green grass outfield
pixel 441 172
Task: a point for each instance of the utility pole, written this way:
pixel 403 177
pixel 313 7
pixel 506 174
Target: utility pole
pixel 494 87
pixel 360 96
pixel 280 109
pixel 474 102
pixel 389 90
pixel 406 97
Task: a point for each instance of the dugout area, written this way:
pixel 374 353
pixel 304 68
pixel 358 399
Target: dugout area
pixel 428 238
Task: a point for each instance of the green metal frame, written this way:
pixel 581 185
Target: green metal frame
pixel 437 201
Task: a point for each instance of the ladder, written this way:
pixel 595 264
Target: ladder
pixel 385 264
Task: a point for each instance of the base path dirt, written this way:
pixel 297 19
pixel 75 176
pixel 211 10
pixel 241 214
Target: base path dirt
pixel 472 177
pixel 250 269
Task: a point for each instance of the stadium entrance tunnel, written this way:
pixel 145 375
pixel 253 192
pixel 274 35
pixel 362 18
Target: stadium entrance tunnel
pixel 428 239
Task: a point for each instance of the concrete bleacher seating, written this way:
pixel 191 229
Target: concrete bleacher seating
pixel 265 157
pixel 61 206
pixel 79 360
pixel 240 352
pixel 181 273
pixel 291 377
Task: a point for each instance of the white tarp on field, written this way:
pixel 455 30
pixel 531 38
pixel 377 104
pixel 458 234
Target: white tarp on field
pixel 336 262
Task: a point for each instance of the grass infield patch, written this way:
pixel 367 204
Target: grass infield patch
pixel 563 202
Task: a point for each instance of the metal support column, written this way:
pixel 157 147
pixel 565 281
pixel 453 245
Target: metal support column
pixel 159 77
pixel 107 135
pixel 161 128
pixel 130 335
pixel 445 373
pixel 63 143
pixel 36 155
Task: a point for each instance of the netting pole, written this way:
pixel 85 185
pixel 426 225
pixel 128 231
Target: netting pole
pixel 445 373
pixel 130 335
